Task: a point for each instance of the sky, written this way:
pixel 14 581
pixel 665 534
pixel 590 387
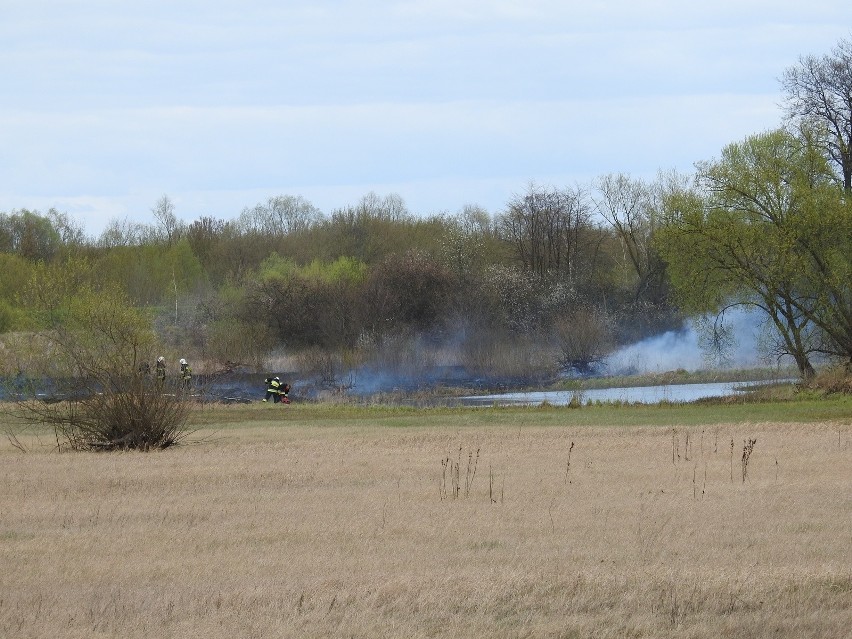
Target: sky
pixel 105 106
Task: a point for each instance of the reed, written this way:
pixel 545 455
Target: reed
pixel 748 449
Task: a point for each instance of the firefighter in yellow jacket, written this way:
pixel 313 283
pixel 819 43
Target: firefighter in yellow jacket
pixel 273 389
pixel 185 375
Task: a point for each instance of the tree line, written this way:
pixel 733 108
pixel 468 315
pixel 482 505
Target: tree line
pixel 365 278
pixel 556 279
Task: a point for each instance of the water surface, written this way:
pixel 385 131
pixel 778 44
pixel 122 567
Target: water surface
pixel 678 393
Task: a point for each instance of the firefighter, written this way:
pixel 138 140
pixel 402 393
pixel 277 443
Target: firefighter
pixel 161 369
pixel 185 374
pixel 273 389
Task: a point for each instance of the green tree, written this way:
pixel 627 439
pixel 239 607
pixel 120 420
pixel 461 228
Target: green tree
pixel 320 304
pixel 766 227
pixel 169 228
pixel 29 234
pixel 152 274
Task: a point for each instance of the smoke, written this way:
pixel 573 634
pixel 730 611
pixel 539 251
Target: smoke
pixel 735 343
pixel 416 363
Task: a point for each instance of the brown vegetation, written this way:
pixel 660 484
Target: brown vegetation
pixel 369 530
pixel 835 379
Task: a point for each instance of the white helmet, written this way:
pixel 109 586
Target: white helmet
pixel 161 359
pixel 277 380
pixel 182 361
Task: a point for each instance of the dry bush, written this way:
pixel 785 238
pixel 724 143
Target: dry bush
pixel 834 379
pixel 237 341
pixel 141 416
pixel 506 354
pixel 408 291
pixel 105 408
pixel 585 338
pixel 320 364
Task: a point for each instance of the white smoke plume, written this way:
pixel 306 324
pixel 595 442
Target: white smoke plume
pixel 688 348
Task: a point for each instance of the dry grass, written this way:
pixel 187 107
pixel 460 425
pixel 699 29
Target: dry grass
pixel 318 531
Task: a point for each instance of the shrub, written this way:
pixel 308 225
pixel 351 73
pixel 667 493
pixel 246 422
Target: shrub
pixel 97 358
pixel 6 317
pixel 834 379
pixel 140 417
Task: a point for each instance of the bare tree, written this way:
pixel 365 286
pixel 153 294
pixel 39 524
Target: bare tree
pixel 462 245
pixel 124 233
pixel 629 206
pixel 164 215
pixel 544 226
pixel 819 91
pixel 390 208
pixel 473 219
pixel 203 234
pixel 280 215
pixel 70 231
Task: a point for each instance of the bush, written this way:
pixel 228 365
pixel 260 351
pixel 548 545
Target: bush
pixel 7 318
pixel 97 358
pixel 584 337
pixel 408 292
pixel 234 340
pixel 834 379
pixel 141 417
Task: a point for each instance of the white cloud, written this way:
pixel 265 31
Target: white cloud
pixel 112 104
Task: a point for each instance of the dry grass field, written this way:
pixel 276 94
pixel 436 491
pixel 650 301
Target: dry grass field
pixel 463 524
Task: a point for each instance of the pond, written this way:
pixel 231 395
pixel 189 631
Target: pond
pixel 677 393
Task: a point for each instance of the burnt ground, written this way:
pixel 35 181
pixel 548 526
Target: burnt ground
pixel 245 386
pixel 237 386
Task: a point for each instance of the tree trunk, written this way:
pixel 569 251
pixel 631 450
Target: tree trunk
pixel 806 370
